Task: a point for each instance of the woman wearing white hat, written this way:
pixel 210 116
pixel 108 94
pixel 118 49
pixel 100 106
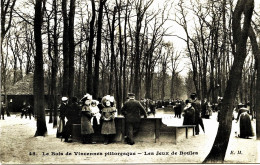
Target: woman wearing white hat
pixel 108 114
pixel 63 109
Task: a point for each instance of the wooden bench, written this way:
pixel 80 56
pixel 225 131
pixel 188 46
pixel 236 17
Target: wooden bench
pixel 151 130
pixel 176 134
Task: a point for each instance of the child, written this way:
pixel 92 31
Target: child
pixel 95 112
pixel 108 115
pixel 86 127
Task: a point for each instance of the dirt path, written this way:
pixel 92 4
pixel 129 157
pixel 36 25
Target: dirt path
pixel 19 146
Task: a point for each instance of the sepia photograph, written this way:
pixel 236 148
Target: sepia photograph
pixel 130 82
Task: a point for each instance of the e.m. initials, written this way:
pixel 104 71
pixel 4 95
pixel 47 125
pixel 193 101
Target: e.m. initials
pixel 233 152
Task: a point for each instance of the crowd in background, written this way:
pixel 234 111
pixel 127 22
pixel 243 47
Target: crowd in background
pixel 98 115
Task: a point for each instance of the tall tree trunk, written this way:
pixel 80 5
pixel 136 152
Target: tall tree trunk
pixel 98 49
pixel 125 56
pixel 111 30
pixel 90 50
pixel 50 93
pixel 120 44
pixel 71 49
pixel 38 79
pixel 256 52
pixel 137 57
pixel 218 150
pixel 65 49
pixel 55 65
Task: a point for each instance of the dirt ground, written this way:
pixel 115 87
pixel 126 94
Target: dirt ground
pixel 18 146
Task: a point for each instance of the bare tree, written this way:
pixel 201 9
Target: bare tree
pixel 38 83
pixel 256 52
pixel 6 10
pixel 90 50
pixel 65 49
pixel 218 150
pixel 140 9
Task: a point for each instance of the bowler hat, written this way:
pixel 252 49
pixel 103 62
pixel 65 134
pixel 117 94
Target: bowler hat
pixel 193 95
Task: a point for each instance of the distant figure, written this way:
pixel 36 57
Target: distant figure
pixel 177 109
pixel 152 107
pixel 188 114
pixel 219 107
pixel 108 115
pixel 86 127
pixel 24 110
pixel 204 108
pixel 3 107
pixel 208 110
pixel 245 126
pixel 132 110
pixel 30 110
pixel 10 108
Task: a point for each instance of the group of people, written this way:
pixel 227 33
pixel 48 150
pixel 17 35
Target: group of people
pixel 27 110
pixel 194 111
pixel 93 115
pixel 149 105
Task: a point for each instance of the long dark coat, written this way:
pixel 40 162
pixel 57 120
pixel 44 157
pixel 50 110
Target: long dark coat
pixel 75 113
pixel 73 116
pixel 196 105
pixel 86 127
pixel 245 125
pixel 132 110
pixel 108 124
pixel 189 115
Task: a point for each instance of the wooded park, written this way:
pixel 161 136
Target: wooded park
pixel 155 49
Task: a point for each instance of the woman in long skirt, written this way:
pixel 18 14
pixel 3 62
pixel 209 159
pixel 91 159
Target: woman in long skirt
pixel 245 126
pixel 86 127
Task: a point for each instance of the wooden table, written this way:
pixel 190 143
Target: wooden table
pixel 151 130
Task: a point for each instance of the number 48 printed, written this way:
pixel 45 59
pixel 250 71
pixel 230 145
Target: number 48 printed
pixel 32 153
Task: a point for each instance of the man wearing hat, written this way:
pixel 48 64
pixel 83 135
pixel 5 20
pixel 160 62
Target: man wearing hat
pixel 72 114
pixel 198 120
pixel 132 110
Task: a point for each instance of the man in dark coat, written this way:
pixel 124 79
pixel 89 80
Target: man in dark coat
pixel 72 114
pixel 30 111
pixel 188 114
pixel 24 110
pixel 2 110
pixel 132 110
pixel 198 120
pixel 177 109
